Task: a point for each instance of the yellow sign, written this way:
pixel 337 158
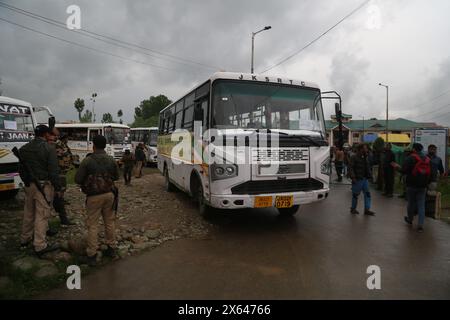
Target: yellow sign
pixel 284 201
pixel 263 201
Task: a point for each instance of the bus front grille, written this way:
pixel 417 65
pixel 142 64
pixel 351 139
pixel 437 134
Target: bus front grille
pixel 277 186
pixel 280 154
pixel 9 168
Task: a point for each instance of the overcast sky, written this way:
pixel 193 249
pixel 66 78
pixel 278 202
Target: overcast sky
pixel 403 43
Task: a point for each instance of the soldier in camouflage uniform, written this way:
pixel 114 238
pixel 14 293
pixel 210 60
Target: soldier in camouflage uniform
pixel 65 162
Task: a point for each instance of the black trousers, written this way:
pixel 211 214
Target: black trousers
pixel 389 178
pixel 127 174
pixel 58 205
pixel 339 168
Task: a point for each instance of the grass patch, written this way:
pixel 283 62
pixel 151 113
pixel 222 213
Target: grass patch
pixel 25 285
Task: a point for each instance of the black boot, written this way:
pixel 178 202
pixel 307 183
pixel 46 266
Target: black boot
pixel 51 232
pixel 110 252
pixel 47 249
pixel 91 261
pixel 65 221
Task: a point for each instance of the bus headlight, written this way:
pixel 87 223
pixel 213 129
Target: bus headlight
pixel 325 167
pixel 223 171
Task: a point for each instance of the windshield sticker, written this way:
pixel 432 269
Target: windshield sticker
pixel 10 125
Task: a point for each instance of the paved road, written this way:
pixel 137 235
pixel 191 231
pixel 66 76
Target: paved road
pixel 322 253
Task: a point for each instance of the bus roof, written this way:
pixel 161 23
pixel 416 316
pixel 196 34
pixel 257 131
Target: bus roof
pixel 13 101
pixel 144 128
pixel 91 125
pixel 249 77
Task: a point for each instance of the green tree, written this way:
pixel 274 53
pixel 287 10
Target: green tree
pixel 378 145
pixel 79 105
pixel 148 111
pixel 107 118
pixel 87 117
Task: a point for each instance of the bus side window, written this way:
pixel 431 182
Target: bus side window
pixel 188 117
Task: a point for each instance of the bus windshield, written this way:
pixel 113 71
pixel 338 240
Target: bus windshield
pixel 16 122
pixel 116 135
pixel 247 105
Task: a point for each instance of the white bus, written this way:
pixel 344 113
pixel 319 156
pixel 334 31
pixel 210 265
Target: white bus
pixel 271 128
pixel 16 128
pixel 81 135
pixel 149 137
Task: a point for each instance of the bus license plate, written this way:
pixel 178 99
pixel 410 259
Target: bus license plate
pixel 263 202
pixel 8 186
pixel 284 201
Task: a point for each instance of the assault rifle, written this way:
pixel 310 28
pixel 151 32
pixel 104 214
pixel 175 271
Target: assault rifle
pixel 27 174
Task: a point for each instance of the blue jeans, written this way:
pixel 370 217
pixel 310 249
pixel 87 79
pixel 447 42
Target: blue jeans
pixel 357 187
pixel 416 203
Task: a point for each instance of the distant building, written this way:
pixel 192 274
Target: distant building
pixel 400 130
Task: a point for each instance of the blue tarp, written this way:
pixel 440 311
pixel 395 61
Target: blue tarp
pixel 370 137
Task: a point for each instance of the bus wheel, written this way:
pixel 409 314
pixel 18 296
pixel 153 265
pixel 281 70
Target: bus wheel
pixel 199 197
pixel 168 185
pixel 288 212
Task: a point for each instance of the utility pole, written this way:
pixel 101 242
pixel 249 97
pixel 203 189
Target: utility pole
pixel 253 44
pixel 93 96
pixel 387 109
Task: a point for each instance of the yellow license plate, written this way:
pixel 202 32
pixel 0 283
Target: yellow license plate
pixel 7 186
pixel 284 201
pixel 263 202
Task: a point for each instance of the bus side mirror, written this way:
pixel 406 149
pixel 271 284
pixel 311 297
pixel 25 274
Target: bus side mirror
pixel 51 122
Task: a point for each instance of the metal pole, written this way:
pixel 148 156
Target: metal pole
pixel 387 112
pixel 253 50
pixel 363 130
pixel 387 109
pixel 253 44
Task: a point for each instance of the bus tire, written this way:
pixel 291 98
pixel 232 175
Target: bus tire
pixel 199 197
pixel 167 184
pixel 288 212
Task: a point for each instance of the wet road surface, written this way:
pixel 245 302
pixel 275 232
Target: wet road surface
pixel 321 253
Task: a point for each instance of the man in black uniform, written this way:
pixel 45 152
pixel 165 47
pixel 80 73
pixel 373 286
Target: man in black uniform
pixel 39 158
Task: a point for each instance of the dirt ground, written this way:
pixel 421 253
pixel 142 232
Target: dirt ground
pixel 147 217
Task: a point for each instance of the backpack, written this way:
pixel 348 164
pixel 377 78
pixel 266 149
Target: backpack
pixel 98 183
pixel 422 168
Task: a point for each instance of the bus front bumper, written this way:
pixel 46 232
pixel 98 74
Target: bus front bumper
pixel 10 181
pixel 236 201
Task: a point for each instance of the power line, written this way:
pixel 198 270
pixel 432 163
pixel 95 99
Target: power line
pixel 317 38
pixel 434 98
pixel 439 115
pixel 86 47
pixel 100 37
pixel 432 111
